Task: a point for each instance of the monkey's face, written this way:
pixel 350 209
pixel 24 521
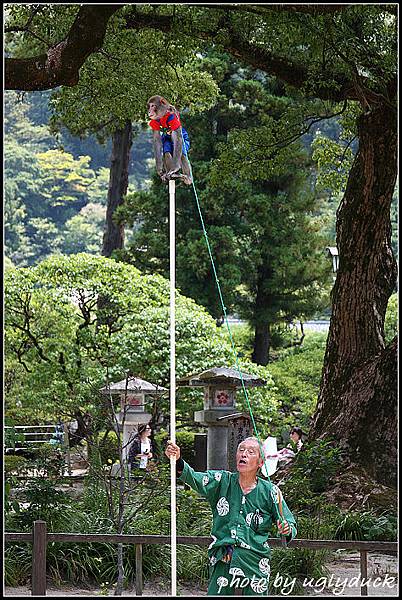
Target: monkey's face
pixel 155 111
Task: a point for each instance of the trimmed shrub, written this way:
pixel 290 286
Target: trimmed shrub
pixel 184 439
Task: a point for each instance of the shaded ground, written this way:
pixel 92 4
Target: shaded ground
pixel 345 569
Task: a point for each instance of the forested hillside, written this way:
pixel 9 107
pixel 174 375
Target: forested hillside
pixel 56 184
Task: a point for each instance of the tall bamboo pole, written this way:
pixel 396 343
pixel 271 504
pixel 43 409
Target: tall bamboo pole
pixel 172 260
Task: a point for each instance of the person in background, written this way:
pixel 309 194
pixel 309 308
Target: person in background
pixel 287 454
pixel 296 435
pixel 140 450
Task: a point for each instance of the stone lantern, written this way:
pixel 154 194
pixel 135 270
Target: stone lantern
pixel 134 393
pixel 220 385
pixel 239 427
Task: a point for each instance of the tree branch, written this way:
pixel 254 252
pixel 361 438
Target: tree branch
pixel 311 9
pixel 62 62
pixel 291 72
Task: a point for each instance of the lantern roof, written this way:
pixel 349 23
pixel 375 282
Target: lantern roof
pixel 221 375
pixel 133 384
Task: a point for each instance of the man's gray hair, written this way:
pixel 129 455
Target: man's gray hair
pixel 253 439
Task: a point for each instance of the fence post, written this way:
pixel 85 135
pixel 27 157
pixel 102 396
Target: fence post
pixel 138 570
pixel 39 559
pixel 363 572
pixel 66 441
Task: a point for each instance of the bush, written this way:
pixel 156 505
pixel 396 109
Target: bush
pixel 17 564
pixel 318 461
pixel 310 475
pixel 184 439
pixel 15 464
pixel 12 438
pixel 296 373
pixel 243 337
pixel 367 526
pixel 298 564
pixel 108 446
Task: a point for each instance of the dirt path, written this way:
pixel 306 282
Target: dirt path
pixel 155 590
pixel 343 580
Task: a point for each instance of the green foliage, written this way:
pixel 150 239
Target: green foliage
pixel 334 157
pixel 56 330
pixel 367 526
pixel 42 499
pixel 298 563
pixel 333 162
pixel 8 263
pixel 53 200
pixel 108 446
pixel 296 373
pixel 391 319
pixel 17 564
pixel 45 502
pixel 14 464
pixel 311 474
pixel 264 236
pixel 12 437
pixel 319 461
pixel 185 439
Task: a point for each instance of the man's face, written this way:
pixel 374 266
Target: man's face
pixel 248 456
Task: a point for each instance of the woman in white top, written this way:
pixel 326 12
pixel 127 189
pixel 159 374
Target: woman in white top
pixel 141 448
pixel 287 454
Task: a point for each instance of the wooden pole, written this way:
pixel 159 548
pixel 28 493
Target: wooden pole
pixel 138 570
pixel 39 559
pixel 172 261
pixel 363 573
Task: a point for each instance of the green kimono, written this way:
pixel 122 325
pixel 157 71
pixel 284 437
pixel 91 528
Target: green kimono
pixel 242 523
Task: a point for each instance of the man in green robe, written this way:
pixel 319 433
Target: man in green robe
pixel 244 508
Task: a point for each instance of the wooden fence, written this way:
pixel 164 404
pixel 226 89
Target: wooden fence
pixel 40 538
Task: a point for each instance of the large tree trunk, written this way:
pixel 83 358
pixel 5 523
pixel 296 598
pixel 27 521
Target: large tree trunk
pixel 262 343
pixel 113 238
pixel 262 335
pixel 357 399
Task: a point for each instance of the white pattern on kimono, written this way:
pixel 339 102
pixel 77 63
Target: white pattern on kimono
pixel 250 516
pixel 205 480
pixel 213 560
pixel 244 545
pixel 264 566
pixel 259 586
pixel 233 533
pixel 213 542
pixel 236 571
pixel 222 507
pixel 218 476
pixel 275 494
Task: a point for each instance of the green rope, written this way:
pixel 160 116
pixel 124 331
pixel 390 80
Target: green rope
pixel 225 316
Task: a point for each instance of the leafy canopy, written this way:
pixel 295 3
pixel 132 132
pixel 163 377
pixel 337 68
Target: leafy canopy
pixel 64 348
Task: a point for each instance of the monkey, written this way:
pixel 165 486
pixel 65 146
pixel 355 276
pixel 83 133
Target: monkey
pixel 170 140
